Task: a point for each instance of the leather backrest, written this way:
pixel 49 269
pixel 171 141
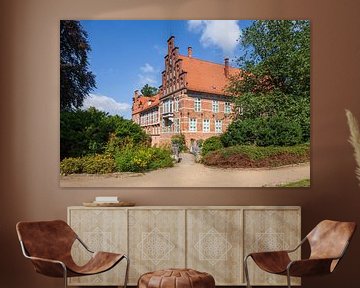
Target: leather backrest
pixel 47 239
pixel 329 238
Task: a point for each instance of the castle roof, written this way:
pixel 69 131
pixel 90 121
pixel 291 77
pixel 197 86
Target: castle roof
pixel 143 103
pixel 205 76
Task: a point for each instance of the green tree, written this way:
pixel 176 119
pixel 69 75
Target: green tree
pixel 76 81
pixel 84 132
pixel 274 82
pixel 149 90
pixel 276 56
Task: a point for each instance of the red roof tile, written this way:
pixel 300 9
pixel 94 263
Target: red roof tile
pixel 205 76
pixel 144 103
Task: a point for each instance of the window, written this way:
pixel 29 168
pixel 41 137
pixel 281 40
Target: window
pixel 215 106
pixel 168 106
pixel 197 104
pixel 176 106
pixel 206 125
pixel 192 125
pixel 177 125
pixel 227 108
pixel 218 126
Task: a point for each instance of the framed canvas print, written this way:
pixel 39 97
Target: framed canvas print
pixel 185 103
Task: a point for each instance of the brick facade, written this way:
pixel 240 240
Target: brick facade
pixel 191 99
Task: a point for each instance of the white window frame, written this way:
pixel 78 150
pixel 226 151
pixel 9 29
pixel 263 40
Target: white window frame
pixel 192 125
pixel 177 125
pixel 197 104
pixel 227 107
pixel 218 126
pixel 206 127
pixel 176 105
pixel 215 106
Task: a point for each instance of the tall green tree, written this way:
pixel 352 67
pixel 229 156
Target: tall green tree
pixel 274 82
pixel 276 56
pixel 76 80
pixel 148 90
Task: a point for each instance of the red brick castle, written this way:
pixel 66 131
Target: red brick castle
pixel 191 99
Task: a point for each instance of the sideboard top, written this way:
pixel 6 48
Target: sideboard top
pixel 192 207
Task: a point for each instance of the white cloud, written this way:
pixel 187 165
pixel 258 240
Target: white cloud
pixel 195 25
pixel 149 75
pixel 223 34
pixel 147 79
pixel 147 68
pixel 106 104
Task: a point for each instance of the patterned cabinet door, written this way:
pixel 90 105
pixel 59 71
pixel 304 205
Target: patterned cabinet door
pixel 269 230
pixel 214 244
pixel 156 240
pixel 101 230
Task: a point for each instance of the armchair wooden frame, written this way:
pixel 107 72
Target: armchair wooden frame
pixel 320 262
pixel 65 267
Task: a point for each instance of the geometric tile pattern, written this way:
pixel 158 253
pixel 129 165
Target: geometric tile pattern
pixel 214 243
pixel 156 246
pixel 269 240
pixel 156 240
pixel 213 246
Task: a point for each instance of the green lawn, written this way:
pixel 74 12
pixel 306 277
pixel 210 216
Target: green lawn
pixel 301 183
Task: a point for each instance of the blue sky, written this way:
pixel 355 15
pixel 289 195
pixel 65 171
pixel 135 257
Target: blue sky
pixel 127 54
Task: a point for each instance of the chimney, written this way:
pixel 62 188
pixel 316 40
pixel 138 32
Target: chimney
pixel 189 51
pixel 226 69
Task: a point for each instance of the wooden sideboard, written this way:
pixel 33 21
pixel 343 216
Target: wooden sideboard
pixel 211 239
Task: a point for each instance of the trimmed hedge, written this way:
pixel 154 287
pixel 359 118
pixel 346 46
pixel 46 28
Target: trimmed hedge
pixel 211 144
pixel 271 131
pixel 246 156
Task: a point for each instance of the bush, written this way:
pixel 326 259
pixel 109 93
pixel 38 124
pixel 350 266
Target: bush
pixel 161 159
pixel 87 132
pixel 71 166
pixel 272 131
pixel 245 156
pixel 211 144
pixel 140 159
pixel 180 140
pixel 98 164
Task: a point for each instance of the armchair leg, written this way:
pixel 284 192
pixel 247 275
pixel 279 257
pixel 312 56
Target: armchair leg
pixel 65 276
pixel 246 270
pixel 127 271
pixel 288 278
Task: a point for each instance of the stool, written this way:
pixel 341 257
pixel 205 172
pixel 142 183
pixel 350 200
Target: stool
pixel 176 278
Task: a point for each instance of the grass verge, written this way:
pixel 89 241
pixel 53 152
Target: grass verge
pixel 301 183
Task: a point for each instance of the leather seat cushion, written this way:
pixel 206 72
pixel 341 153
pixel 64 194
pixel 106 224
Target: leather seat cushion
pixel 176 278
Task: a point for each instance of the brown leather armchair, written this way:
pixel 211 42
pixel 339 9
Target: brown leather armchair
pixel 48 245
pixel 328 242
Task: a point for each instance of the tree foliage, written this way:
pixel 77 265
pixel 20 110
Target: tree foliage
pixel 76 80
pixel 148 90
pixel 92 131
pixel 273 86
pixel 276 56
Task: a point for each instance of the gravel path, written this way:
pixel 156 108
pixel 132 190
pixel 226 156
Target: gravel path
pixel 187 173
